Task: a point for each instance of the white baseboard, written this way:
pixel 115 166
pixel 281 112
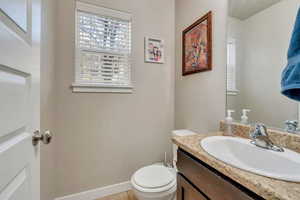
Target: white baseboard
pixel 99 192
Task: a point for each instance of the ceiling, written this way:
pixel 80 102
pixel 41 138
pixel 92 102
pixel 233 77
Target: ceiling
pixel 243 9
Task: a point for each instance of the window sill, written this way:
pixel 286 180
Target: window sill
pixel 94 88
pixel 232 92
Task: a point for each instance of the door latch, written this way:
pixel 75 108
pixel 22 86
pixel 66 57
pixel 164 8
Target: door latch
pixel 45 137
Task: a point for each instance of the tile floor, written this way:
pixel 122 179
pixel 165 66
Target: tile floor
pixel 121 196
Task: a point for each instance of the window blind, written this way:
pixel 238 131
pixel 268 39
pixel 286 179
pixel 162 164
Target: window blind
pixel 231 66
pixel 104 48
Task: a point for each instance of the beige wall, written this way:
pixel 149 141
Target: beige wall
pixel 200 98
pixel 103 138
pixel 47 97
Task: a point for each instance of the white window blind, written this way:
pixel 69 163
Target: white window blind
pixel 103 47
pixel 231 67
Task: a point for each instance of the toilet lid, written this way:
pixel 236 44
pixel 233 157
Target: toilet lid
pixel 153 176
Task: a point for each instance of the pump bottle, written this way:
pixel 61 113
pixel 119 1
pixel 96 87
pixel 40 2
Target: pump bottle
pixel 244 117
pixel 228 123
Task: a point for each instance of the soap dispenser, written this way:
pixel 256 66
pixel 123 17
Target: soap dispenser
pixel 228 123
pixel 244 117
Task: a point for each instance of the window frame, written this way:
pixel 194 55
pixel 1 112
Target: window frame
pixel 93 87
pixel 231 91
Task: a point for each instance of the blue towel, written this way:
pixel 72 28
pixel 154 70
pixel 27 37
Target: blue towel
pixel 290 82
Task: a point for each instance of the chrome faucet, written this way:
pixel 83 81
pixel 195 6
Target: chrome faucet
pixel 260 138
pixel 291 126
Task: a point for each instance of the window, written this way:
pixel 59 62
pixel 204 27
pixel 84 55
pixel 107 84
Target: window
pixel 103 50
pixel 231 68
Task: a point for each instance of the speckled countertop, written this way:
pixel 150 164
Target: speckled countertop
pixel 267 188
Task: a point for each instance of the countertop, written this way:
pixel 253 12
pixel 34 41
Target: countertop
pixel 265 187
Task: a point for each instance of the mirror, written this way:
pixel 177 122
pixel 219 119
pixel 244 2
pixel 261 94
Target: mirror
pixel 258 37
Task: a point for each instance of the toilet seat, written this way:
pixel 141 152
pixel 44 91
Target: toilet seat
pixel 154 178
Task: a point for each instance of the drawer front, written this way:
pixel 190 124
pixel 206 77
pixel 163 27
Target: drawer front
pixel 211 184
pixel 185 191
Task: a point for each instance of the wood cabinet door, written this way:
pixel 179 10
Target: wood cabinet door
pixel 212 184
pixel 185 191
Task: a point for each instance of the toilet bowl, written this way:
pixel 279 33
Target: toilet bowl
pixel 154 182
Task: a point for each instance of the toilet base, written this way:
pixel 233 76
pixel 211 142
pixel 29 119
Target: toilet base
pixel 166 195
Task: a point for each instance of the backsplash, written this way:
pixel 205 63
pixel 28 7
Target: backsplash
pixel 281 138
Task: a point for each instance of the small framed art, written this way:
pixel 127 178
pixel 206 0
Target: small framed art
pixel 154 50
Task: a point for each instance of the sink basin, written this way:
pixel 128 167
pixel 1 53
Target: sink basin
pixel 240 153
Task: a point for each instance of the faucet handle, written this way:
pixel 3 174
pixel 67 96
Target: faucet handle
pixel 263 129
pixel 259 130
pixel 291 126
pixel 291 122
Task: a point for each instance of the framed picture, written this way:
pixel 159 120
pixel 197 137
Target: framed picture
pixel 154 50
pixel 197 46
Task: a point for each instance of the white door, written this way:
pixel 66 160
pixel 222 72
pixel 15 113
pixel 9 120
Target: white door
pixel 19 98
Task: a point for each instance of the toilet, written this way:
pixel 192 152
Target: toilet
pixel 157 182
pixel 154 182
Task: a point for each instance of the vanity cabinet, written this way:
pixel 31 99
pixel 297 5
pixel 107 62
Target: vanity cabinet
pixel 198 181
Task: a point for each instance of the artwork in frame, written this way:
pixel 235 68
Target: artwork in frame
pixel 154 50
pixel 197 46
